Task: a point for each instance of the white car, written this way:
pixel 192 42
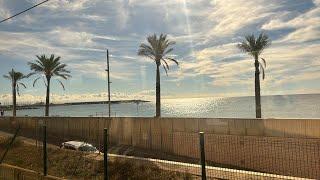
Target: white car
pixel 79 146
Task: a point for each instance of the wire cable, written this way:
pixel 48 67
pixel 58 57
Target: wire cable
pixel 24 11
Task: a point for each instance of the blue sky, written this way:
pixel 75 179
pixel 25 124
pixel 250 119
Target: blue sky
pixel 206 33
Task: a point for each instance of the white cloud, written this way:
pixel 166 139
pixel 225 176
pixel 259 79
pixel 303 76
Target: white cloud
pixel 67 5
pixel 4 12
pixel 94 17
pixel 78 39
pixel 216 52
pixel 58 98
pixel 122 13
pixel 27 45
pixel 72 38
pixel 303 34
pixel 229 16
pixel 210 62
pixel 96 69
pixel 306 26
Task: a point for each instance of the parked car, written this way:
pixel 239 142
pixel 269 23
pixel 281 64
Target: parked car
pixel 79 146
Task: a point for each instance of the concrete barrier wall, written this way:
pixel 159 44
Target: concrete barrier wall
pixel 279 146
pixel 303 128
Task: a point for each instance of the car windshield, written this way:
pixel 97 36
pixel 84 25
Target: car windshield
pixel 87 148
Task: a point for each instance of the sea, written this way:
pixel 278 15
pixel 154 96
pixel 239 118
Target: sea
pixel 277 106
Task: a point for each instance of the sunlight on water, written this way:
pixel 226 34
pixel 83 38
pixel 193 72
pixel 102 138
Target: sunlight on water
pixel 189 107
pixel 289 106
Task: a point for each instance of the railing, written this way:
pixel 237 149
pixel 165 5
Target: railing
pixel 177 140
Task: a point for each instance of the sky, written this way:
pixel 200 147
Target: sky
pixel 206 33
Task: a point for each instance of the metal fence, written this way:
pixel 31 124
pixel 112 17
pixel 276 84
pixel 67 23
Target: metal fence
pixel 140 154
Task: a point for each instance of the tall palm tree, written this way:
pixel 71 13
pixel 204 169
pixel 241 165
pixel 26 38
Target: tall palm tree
pixel 254 47
pixel 48 67
pixel 158 49
pixel 15 78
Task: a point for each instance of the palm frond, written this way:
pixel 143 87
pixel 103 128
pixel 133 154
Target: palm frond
pixel 61 84
pixel 170 43
pixel 244 46
pixel 63 75
pixel 146 50
pixel 30 74
pixel 152 40
pixel 22 84
pixel 173 60
pixel 251 40
pixel 44 82
pixel 165 69
pixel 165 63
pixel 35 81
pixel 36 67
pixel 264 62
pixel 158 48
pixel 18 90
pixel 262 42
pixel 262 70
pixel 49 67
pixel 15 76
pixel 7 77
pixel 168 51
pixel 254 46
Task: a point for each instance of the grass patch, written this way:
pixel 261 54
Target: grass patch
pixel 124 169
pixel 4 142
pixel 76 165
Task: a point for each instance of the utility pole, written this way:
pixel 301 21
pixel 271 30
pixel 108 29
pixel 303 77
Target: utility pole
pixel 108 71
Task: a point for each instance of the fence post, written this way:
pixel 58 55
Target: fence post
pixel 45 160
pixel 203 158
pixel 9 145
pixel 105 153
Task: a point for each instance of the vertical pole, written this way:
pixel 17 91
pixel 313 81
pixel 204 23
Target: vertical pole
pixel 138 108
pixel 108 71
pixel 36 131
pixel 203 158
pixel 9 145
pixel 105 153
pixel 45 160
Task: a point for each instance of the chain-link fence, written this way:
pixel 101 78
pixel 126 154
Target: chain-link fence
pixel 149 148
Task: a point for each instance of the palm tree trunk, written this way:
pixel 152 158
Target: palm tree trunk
pixel 257 88
pixel 47 97
pixel 14 99
pixel 158 102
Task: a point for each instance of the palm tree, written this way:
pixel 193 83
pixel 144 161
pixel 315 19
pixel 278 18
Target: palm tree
pixel 15 78
pixel 254 47
pixel 158 49
pixel 48 67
